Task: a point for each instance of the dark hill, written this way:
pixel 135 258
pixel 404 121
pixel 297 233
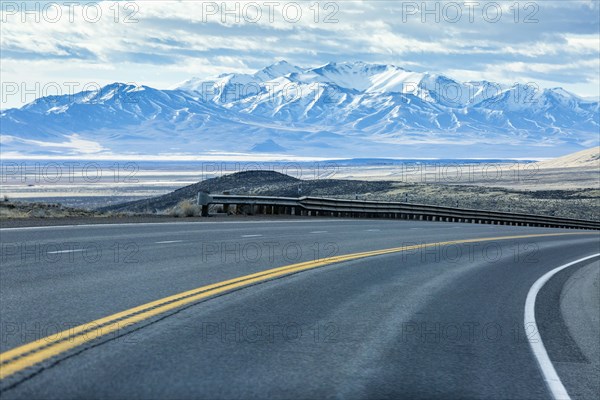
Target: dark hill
pixel 582 204
pixel 259 183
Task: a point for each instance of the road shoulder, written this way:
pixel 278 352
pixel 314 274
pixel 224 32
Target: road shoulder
pixel 569 324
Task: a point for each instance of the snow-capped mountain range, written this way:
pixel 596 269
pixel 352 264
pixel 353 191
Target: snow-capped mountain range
pixel 336 110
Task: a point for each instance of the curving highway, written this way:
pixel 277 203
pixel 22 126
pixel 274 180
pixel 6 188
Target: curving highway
pixel 297 309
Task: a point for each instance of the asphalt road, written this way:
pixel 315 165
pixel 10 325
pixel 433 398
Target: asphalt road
pixel 442 321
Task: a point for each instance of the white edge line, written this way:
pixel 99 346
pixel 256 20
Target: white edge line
pixel 535 341
pixel 250 236
pixel 169 241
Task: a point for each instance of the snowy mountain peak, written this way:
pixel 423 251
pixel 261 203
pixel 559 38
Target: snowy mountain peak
pixel 354 67
pixel 277 70
pixel 357 76
pixel 350 107
pixel 216 84
pixel 560 92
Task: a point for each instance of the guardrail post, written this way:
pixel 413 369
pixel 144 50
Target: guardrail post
pixel 204 199
pixel 226 206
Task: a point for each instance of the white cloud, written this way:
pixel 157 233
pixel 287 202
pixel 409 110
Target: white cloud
pixel 174 40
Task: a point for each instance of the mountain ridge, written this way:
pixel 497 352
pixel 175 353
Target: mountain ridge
pixel 355 109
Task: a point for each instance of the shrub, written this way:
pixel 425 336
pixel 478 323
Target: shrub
pixel 186 208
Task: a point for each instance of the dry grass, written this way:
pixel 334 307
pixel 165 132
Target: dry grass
pixel 185 208
pixel 23 209
pixel 20 209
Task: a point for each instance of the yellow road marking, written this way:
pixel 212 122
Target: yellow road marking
pixel 20 358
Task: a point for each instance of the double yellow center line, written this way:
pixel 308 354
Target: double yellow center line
pixel 20 358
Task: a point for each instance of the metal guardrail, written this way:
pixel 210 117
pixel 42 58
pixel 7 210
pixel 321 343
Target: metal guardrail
pixel 315 206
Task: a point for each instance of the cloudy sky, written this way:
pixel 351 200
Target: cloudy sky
pixel 51 45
